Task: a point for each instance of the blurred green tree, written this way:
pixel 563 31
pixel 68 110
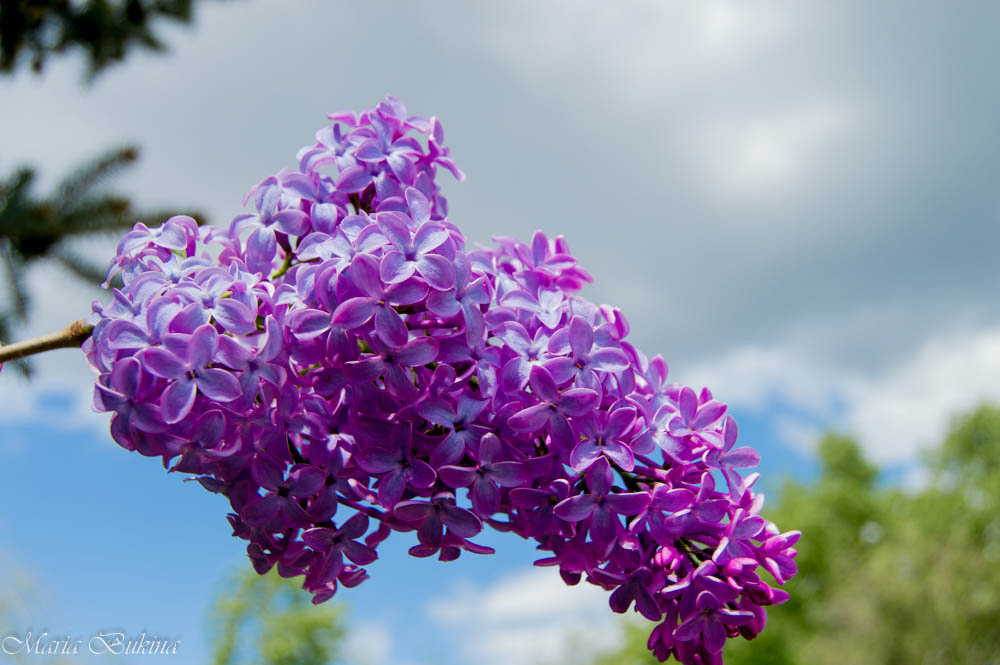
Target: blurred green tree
pixel 270 620
pixel 23 595
pixel 34 228
pixel 105 29
pixel 886 576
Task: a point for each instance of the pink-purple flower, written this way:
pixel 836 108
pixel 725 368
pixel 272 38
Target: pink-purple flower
pixel 340 357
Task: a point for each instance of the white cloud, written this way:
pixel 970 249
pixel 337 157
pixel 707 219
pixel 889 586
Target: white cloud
pixel 799 435
pixel 637 47
pixel 368 643
pixel 913 404
pixel 527 618
pixel 755 377
pixel 894 411
pixel 733 30
pixel 773 149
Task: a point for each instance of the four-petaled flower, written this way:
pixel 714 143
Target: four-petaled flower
pixel 283 493
pixel 459 421
pixel 335 544
pixel 378 301
pixel 601 434
pixel 601 505
pixel 709 622
pixel 728 460
pixel 436 515
pixel 189 367
pixel 486 477
pixel 397 466
pixel 466 297
pixel 584 360
pixel 555 406
pixel 696 420
pixel 416 254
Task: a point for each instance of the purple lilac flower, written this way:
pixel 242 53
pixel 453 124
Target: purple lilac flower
pixel 459 423
pixel 601 505
pixel 414 254
pixel 601 435
pixel 283 492
pixel 190 372
pixel 467 296
pixel 554 407
pixel 397 466
pixel 335 544
pixel 486 477
pixel 728 460
pixel 339 351
pixel 709 622
pixel 434 516
pixel 379 302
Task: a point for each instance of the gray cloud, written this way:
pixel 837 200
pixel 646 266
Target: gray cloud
pixel 791 173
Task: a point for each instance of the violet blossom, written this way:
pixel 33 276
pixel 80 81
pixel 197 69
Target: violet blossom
pixel 341 351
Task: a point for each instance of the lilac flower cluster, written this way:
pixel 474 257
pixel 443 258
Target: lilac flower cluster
pixel 340 365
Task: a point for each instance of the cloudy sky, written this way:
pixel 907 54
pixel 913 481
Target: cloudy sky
pixel 794 203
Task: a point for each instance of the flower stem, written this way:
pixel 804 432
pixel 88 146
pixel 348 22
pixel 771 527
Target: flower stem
pixel 73 336
pixel 682 545
pixel 289 259
pixel 367 510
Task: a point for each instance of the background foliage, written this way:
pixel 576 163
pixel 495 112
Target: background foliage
pixel 36 227
pixel 105 30
pixel 266 619
pixel 33 228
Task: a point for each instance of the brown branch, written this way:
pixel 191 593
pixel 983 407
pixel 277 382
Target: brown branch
pixel 72 336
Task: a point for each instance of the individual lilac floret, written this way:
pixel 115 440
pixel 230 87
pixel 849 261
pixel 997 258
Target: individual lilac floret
pixel 340 352
pixel 190 372
pixel 334 544
pixel 555 407
pixel 709 622
pixel 458 422
pixel 602 435
pixel 397 467
pixel 486 477
pixel 129 387
pixel 601 505
pixel 283 492
pixel 379 302
pixel 414 254
pixel 728 460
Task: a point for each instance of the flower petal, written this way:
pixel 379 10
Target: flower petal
pixel 485 497
pixel 530 419
pixel 354 313
pixel 218 384
pixel 581 337
pixel 177 400
pixel 395 268
pixel 376 460
pixel 457 476
pixel 576 508
pixel 628 503
pixel 578 401
pixel 389 326
pixel 164 364
pixel 261 510
pixel 437 271
pixel 461 522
